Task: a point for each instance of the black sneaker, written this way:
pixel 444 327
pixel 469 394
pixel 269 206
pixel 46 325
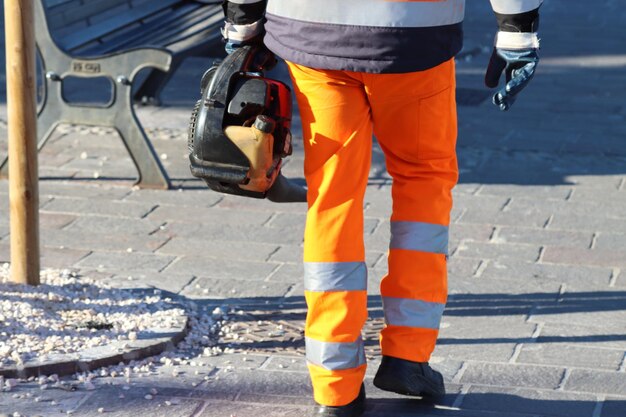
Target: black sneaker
pixel 354 409
pixel 409 378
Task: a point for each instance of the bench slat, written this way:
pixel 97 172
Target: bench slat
pixel 98 30
pixel 165 29
pixel 207 22
pixel 71 12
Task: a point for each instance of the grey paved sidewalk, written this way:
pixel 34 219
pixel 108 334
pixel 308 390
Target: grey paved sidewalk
pixel 536 320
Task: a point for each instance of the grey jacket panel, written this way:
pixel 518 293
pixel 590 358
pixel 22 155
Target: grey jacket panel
pixel 362 48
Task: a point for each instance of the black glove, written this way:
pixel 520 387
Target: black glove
pixel 519 65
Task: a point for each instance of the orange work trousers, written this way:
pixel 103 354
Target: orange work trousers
pixel 413 116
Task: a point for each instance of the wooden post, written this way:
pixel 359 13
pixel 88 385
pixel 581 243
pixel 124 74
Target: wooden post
pixel 22 125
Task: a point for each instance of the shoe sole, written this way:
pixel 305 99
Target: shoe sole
pixel 420 389
pixel 357 412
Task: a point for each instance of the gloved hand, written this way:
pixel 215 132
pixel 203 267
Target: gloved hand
pixel 232 46
pixel 236 36
pixel 518 64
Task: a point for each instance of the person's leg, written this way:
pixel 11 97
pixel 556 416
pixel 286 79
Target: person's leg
pixel 414 118
pixel 337 136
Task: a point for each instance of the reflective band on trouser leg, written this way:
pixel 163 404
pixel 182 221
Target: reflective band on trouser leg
pixel 337 144
pixel 413 323
pixel 415 123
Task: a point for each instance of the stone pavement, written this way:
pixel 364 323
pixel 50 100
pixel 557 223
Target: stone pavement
pixel 536 320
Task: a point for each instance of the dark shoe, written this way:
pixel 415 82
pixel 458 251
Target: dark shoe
pixel 409 378
pixel 354 409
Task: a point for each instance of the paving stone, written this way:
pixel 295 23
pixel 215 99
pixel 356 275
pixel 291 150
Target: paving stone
pixel 242 203
pixel 111 225
pixel 212 248
pixel 543 237
pixel 488 296
pixel 536 402
pixel 164 281
pixel 184 214
pixel 576 277
pixel 28 407
pixel 576 256
pixel 462 267
pixel 176 197
pixel 286 364
pixel 493 329
pixel 50 257
pixel 233 233
pixel 539 140
pixel 611 242
pixel 480 202
pixel 600 309
pixel 471 232
pixel 590 335
pixel 488 352
pixel 94 207
pixel 585 194
pixel 583 380
pixel 614 407
pixel 499 251
pixel 75 238
pixel 557 192
pixel 136 404
pixel 588 208
pixel 81 190
pixel 571 356
pixel 269 383
pixel 221 268
pixel 288 254
pixel 378 202
pixel 288 273
pixel 379 240
pixel 505 375
pixel 241 409
pixel 55 220
pixel 204 287
pixel 492 215
pixel 569 221
pixel 130 262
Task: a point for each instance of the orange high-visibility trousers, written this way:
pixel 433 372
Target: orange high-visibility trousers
pixel 413 116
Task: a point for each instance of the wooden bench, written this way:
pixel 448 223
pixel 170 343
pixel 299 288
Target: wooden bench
pixel 116 39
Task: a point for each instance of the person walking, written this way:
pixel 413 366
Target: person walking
pixel 385 68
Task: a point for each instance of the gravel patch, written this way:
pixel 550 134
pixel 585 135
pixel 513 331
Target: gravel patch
pixel 67 314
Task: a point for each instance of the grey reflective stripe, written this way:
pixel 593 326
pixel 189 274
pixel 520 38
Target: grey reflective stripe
pixel 412 313
pixel 423 237
pixel 376 13
pixel 515 6
pixel 335 356
pixel 335 276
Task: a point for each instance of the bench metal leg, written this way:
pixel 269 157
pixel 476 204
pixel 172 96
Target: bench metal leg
pixel 120 116
pixel 151 172
pixel 149 92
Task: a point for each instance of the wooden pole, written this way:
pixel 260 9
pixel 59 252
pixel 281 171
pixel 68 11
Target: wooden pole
pixel 22 124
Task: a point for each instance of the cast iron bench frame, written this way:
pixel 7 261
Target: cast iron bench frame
pixel 118 47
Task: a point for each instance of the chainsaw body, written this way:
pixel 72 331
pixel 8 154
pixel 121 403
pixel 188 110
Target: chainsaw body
pixel 240 128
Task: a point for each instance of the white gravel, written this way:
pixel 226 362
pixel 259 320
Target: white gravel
pixel 68 314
